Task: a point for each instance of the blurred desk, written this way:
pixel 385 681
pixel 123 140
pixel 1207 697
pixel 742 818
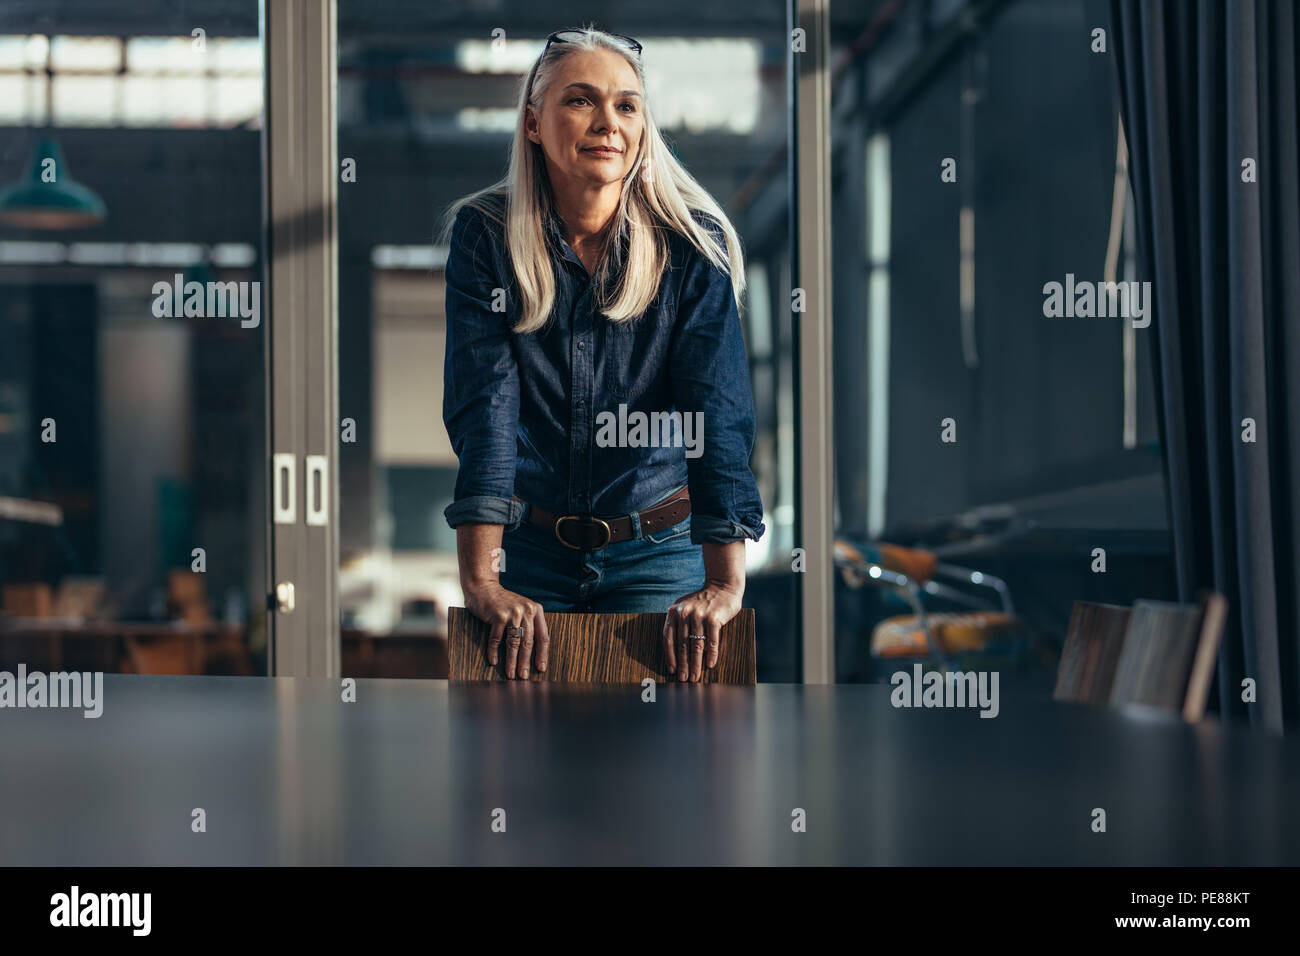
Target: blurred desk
pixel 1126 516
pixel 412 772
pixel 1040 541
pixel 146 647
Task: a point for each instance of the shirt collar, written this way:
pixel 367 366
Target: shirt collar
pixel 555 229
pixel 554 226
pixel 555 234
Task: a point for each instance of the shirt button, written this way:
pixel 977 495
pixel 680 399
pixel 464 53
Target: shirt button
pixel 582 345
pixel 582 402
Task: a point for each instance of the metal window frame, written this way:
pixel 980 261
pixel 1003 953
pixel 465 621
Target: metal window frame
pixel 301 251
pixel 810 249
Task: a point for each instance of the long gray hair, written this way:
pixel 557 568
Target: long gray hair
pixel 658 195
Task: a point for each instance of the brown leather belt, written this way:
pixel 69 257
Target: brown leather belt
pixel 590 533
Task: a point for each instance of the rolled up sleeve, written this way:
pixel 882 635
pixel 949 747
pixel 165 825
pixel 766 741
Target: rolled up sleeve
pixel 709 372
pixel 480 405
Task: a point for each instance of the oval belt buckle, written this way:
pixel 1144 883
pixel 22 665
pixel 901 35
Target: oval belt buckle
pixel 604 524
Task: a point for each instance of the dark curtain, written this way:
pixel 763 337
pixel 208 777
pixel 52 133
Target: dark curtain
pixel 1204 86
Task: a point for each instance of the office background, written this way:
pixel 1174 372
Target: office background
pixel 163 424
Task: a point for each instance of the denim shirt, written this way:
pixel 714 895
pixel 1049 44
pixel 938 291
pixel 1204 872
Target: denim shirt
pixel 522 410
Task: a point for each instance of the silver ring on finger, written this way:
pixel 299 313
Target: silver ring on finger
pixel 514 632
pixel 696 637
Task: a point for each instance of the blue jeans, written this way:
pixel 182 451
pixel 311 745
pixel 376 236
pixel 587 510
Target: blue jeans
pixel 646 573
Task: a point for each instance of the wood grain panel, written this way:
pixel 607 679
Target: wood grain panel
pixel 1091 654
pixel 605 648
pixel 1155 668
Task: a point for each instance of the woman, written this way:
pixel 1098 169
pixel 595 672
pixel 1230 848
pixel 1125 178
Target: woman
pixel 595 368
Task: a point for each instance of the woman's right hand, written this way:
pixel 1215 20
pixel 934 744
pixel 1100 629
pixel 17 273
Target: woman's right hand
pixel 498 608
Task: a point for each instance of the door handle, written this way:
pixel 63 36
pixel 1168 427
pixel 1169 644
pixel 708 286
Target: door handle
pixel 284 502
pixel 284 602
pixel 318 490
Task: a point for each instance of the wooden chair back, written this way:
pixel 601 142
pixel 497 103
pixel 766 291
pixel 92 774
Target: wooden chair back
pixel 601 648
pixel 1169 654
pixel 1091 654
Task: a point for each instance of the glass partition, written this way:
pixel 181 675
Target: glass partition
pixel 426 106
pixel 986 444
pixel 132 395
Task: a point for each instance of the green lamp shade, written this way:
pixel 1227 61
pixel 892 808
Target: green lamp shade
pixel 47 197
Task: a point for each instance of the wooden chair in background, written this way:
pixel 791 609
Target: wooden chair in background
pixel 1158 654
pixel 1091 654
pixel 163 654
pixel 601 648
pixel 1169 655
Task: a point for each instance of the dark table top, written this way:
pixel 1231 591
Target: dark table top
pixel 412 772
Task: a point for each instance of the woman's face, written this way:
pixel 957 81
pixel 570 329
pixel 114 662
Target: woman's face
pixel 590 122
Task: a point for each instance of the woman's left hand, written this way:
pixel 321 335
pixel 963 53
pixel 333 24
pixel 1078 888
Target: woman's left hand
pixel 703 612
